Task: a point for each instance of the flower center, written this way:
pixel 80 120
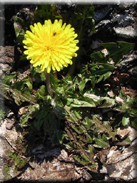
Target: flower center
pixel 48 48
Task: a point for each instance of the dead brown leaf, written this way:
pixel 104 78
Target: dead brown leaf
pixel 128 91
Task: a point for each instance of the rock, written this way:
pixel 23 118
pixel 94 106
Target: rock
pixel 125 6
pixel 7 54
pixel 102 25
pixel 3 147
pixel 114 22
pixel 121 164
pixel 126 32
pixel 125 169
pixel 8 143
pixel 123 20
pixel 10 123
pixel 119 100
pixel 1 30
pixel 50 171
pixel 2 19
pixel 6 59
pixel 129 65
pixel 27 12
pixel 133 71
pixel 128 61
pixel 4 68
pixel 125 24
pixel 131 132
pixel 101 11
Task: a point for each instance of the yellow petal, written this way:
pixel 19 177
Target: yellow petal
pixel 50 46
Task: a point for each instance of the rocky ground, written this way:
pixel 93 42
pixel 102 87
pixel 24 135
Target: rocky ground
pixel 113 22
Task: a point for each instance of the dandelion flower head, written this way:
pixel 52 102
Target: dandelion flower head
pixel 50 46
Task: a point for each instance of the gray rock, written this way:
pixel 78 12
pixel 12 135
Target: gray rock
pixel 125 169
pixel 101 12
pixel 126 32
pixel 124 6
pixel 6 59
pixel 119 21
pixel 2 152
pixel 122 164
pixel 101 24
pixel 125 25
pixel 128 62
pixel 123 20
pixel 133 71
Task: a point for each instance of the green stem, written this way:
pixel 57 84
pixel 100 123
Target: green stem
pixel 48 84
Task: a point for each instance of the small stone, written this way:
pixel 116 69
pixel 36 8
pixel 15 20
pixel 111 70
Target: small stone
pixel 122 132
pixel 105 52
pixel 110 93
pixel 119 100
pixel 126 32
pixel 22 110
pixel 10 124
pixel 104 170
pixel 63 155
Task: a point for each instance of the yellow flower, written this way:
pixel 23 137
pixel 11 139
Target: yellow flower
pixel 50 46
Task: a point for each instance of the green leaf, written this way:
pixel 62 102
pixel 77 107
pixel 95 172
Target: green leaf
pixel 18 26
pixel 32 109
pixel 97 56
pixel 2 115
pixel 77 115
pixel 94 97
pixel 100 68
pixel 104 76
pixel 41 93
pixel 40 117
pixel 125 121
pixel 22 84
pixel 82 103
pixel 106 102
pixel 69 101
pixel 118 49
pixel 8 77
pixel 44 12
pixel 101 102
pixel 38 123
pixel 102 128
pixel 28 83
pixel 134 123
pixel 82 85
pixel 59 137
pixel 20 97
pixel 42 76
pixel 100 143
pixel 78 129
pixel 87 123
pixel 91 149
pixel 81 160
pixel 104 137
pixel 27 93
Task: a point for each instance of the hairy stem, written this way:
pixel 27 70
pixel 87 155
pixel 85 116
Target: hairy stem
pixel 48 84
